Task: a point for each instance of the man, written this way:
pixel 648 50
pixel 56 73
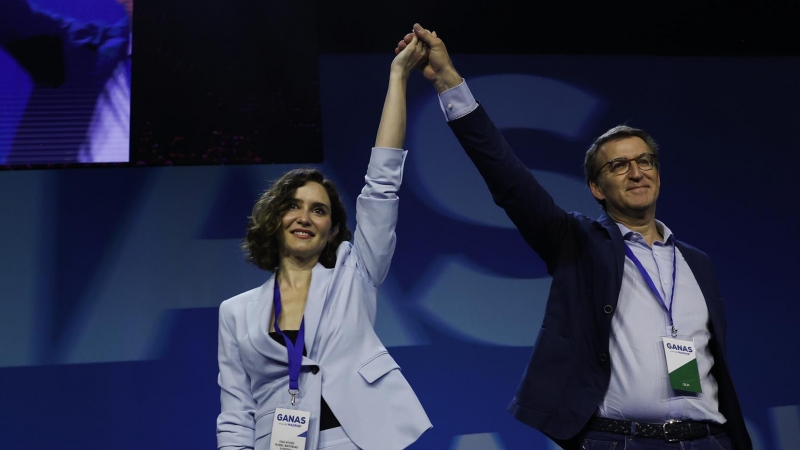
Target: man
pixel 79 109
pixel 620 359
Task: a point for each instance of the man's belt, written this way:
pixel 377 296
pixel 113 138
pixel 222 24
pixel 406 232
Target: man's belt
pixel 671 431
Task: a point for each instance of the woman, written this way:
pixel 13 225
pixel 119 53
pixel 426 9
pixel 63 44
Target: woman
pixel 320 302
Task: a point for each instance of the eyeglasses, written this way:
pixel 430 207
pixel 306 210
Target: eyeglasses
pixel 621 166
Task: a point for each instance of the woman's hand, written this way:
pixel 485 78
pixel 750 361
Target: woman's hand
pixel 392 129
pixel 414 55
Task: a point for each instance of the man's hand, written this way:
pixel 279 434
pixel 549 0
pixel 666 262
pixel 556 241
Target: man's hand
pixel 438 68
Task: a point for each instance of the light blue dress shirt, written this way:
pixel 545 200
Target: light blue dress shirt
pixel 639 388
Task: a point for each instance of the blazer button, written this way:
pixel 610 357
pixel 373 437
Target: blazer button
pixel 608 309
pixel 314 369
pixel 603 357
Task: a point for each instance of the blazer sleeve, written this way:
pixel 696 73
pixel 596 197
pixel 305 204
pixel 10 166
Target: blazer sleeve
pixel 376 215
pixel 236 422
pixel 542 223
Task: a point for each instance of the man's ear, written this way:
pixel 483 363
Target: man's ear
pixel 596 191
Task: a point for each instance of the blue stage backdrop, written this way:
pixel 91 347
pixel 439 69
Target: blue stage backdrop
pixel 110 279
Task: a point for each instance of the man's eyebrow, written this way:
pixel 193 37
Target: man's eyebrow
pixel 637 156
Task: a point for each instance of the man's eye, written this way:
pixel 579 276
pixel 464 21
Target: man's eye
pixel 618 165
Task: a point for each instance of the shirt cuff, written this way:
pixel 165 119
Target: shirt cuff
pixel 457 102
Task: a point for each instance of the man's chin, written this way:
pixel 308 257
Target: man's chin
pixel 636 209
pixel 641 209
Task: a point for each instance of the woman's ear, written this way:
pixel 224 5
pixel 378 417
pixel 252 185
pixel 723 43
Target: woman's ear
pixel 334 233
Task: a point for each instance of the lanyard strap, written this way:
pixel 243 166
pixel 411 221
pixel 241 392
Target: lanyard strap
pixel 649 281
pixel 293 349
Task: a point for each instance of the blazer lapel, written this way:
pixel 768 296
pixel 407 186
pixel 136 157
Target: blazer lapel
pixel 706 279
pixel 698 270
pixel 259 312
pixel 317 294
pixel 618 243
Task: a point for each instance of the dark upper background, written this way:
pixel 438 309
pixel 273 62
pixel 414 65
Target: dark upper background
pixel 569 27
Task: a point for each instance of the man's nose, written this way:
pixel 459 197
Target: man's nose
pixel 635 172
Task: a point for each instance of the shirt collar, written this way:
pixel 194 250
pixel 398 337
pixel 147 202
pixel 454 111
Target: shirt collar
pixel 630 235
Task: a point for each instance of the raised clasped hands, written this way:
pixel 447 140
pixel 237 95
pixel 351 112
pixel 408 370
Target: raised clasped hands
pixel 413 55
pixel 436 67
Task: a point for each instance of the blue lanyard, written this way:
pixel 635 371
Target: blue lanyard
pixel 649 281
pixel 294 350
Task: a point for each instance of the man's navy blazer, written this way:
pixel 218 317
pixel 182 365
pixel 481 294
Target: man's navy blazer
pixel 569 370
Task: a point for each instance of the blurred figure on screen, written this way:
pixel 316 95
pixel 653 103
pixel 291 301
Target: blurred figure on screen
pixel 79 108
pixel 304 341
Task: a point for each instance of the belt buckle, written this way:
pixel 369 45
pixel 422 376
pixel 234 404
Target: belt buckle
pixel 666 433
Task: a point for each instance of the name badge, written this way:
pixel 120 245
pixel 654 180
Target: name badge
pixel 289 429
pixel 682 364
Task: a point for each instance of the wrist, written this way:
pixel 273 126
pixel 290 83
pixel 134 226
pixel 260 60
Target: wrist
pixel 398 76
pixel 447 80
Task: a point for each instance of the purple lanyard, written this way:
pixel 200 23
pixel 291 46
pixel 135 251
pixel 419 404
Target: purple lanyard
pixel 649 281
pixel 293 349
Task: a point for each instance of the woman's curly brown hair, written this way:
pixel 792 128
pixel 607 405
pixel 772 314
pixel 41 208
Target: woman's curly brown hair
pixel 261 241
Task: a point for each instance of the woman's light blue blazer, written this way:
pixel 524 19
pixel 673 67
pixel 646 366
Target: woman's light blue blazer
pixel 360 381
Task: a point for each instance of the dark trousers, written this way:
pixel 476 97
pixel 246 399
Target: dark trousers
pixel 599 440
